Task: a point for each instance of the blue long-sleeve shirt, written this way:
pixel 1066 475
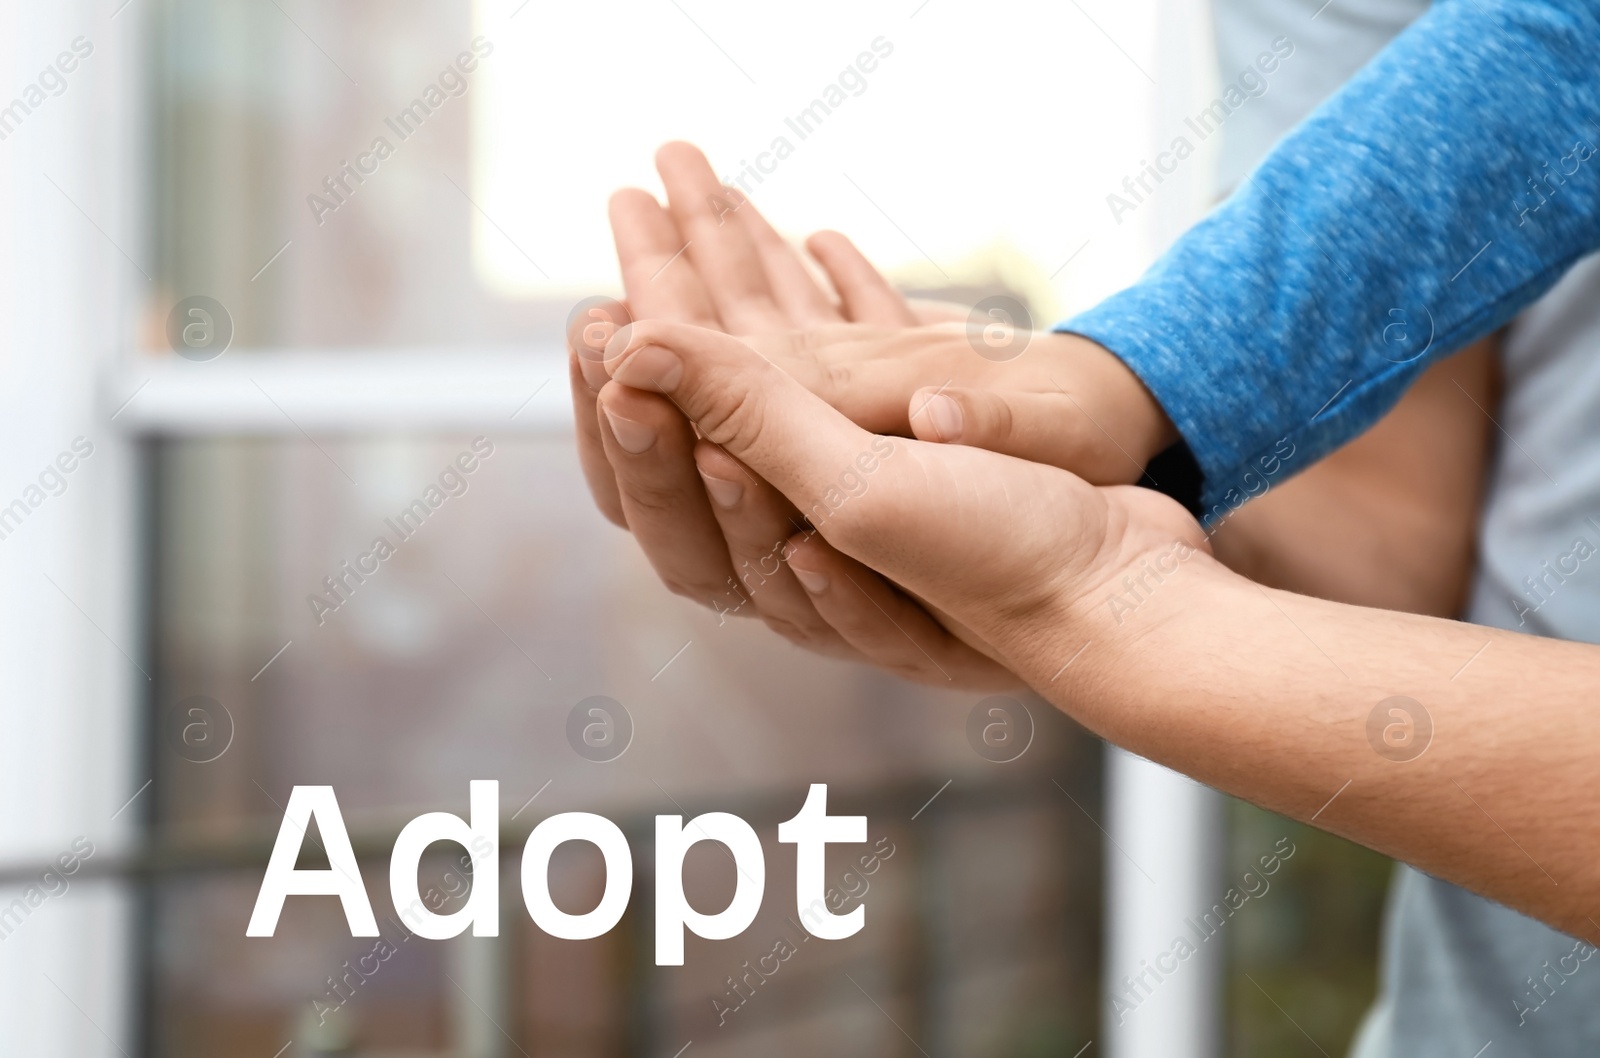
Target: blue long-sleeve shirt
pixel 1446 186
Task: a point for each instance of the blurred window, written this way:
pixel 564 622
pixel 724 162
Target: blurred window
pixel 384 177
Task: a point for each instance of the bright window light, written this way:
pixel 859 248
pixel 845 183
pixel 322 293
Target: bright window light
pixel 973 144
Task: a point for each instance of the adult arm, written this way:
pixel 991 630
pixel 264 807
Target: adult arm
pixel 1444 187
pixel 1106 601
pixel 1289 702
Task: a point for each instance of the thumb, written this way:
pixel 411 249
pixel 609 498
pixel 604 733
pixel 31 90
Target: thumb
pixel 743 402
pixel 1050 428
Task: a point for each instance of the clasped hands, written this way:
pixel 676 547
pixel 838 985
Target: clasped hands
pixel 816 451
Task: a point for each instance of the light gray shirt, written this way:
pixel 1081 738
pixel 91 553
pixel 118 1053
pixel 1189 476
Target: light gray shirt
pixel 1460 973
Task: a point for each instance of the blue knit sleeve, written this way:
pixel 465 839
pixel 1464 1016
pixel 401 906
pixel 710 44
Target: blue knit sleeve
pixel 1447 185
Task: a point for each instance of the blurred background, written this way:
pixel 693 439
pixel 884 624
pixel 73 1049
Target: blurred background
pixel 372 313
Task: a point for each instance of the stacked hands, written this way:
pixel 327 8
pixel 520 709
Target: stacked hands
pixel 842 464
pixel 805 446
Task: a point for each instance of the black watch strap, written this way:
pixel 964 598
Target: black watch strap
pixel 1175 473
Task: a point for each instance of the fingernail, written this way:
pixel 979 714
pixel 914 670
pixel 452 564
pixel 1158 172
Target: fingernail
pixel 634 437
pixel 944 415
pixel 813 582
pixel 650 367
pixel 723 493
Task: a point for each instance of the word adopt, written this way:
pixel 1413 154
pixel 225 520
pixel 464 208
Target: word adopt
pixel 811 830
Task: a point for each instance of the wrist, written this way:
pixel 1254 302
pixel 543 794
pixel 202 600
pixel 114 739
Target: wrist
pixel 1134 634
pixel 1114 634
pixel 1114 404
pixel 1132 413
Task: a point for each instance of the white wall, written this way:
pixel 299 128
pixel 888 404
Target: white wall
pixel 67 693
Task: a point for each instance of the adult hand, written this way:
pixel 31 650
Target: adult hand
pixel 718 536
pixel 1003 549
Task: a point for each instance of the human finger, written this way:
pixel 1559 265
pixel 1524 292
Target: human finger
pixel 757 522
pixel 659 283
pixel 739 400
pixel 1049 428
pixel 650 447
pixel 591 448
pixel 866 295
pixel 885 625
pixel 794 288
pixel 718 244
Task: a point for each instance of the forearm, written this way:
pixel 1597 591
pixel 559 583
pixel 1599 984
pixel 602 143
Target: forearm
pixel 1269 695
pixel 1444 187
pixel 1107 601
